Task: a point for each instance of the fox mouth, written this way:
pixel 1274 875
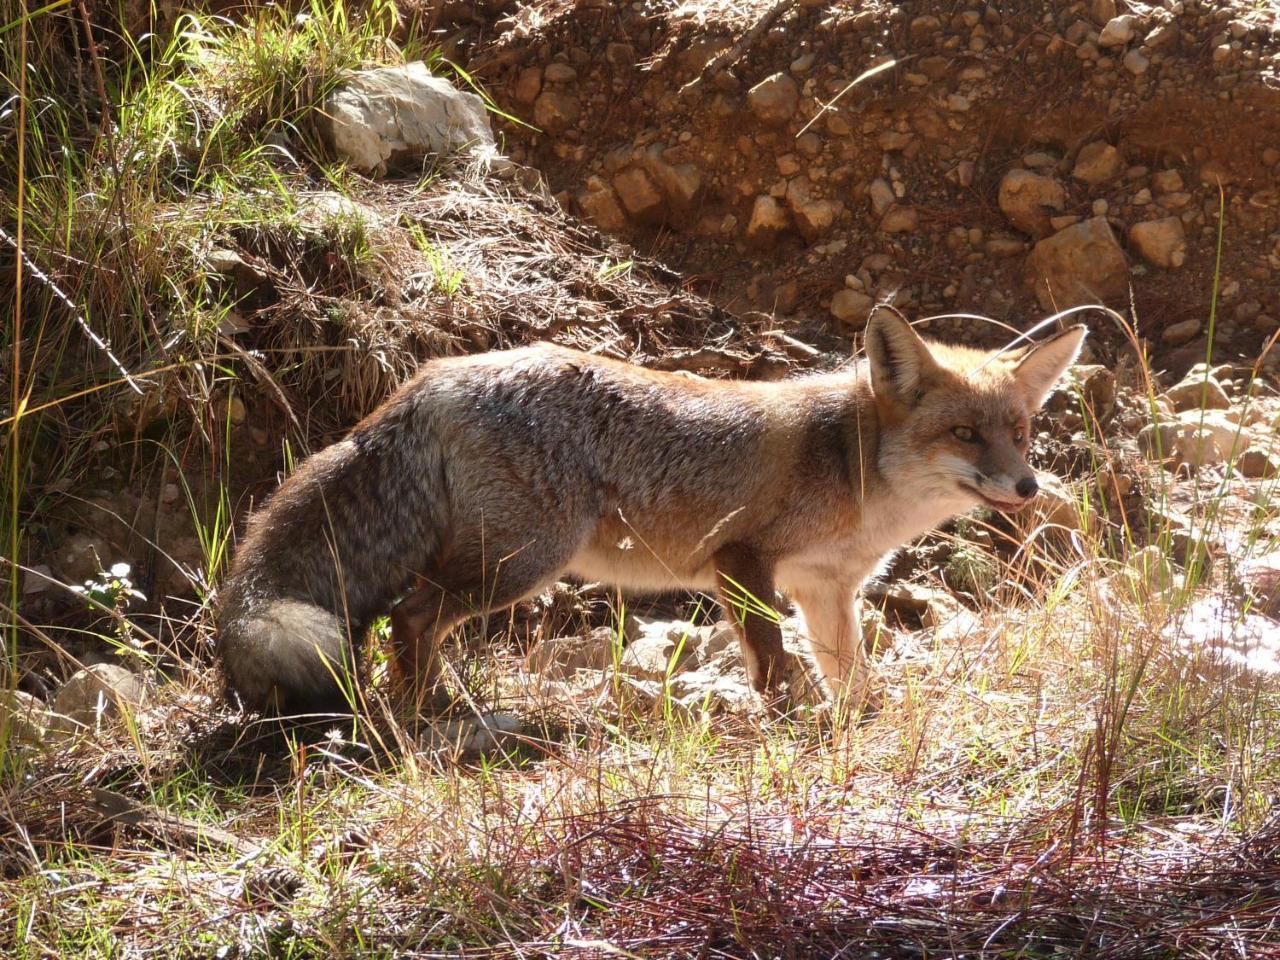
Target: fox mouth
pixel 1004 506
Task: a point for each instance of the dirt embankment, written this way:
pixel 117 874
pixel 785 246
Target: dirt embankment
pixel 703 139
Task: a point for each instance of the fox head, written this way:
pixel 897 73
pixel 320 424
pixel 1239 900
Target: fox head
pixel 954 421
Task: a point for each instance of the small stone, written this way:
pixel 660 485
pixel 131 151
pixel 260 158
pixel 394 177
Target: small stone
pixel 555 112
pixel 1102 11
pixel 813 217
pixel 851 308
pixel 1026 199
pixel 788 164
pixel 560 73
pixel 1184 331
pixel 768 218
pixel 881 194
pixel 1117 32
pixel 958 103
pixel 1206 437
pixel 900 218
pixel 1136 63
pixel 23 717
pixel 528 85
pixel 1163 35
pixel 1161 242
pixel 638 194
pixel 1167 181
pixel 599 204
pixel 1156 440
pixel 1258 464
pixel 1097 163
pixel 1196 392
pixel 803 64
pixel 894 140
pixel 36 580
pixel 1247 311
pixel 964 173
pixel 774 99
pixel 1261 577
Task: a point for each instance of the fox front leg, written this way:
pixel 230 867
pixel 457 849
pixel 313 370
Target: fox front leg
pixel 835 635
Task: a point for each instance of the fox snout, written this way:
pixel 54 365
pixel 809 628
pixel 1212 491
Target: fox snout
pixel 1008 491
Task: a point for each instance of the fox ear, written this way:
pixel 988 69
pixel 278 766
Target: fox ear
pixel 1044 363
pixel 900 360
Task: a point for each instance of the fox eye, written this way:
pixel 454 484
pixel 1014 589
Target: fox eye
pixel 1019 437
pixel 966 434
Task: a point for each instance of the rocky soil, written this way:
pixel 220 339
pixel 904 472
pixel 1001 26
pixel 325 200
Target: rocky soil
pixel 1013 159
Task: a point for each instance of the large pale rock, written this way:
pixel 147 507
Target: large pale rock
pixel 1028 200
pixel 661 649
pixel 1081 264
pixel 391 116
pixel 1161 242
pixel 99 690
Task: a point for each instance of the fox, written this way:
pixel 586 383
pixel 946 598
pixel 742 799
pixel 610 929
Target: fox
pixel 486 478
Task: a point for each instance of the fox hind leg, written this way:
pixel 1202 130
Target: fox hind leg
pixel 747 593
pixel 470 587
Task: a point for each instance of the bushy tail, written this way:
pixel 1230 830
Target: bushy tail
pixel 284 655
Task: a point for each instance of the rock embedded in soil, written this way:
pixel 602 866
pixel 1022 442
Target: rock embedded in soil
pixel 774 99
pixel 1079 265
pixel 556 111
pixel 1118 31
pixel 900 218
pixel 768 219
pixel 1258 464
pixel 1027 198
pixel 851 308
pixel 1195 392
pixel 599 204
pixel 1180 333
pixel 639 195
pixel 1097 163
pixel 24 717
pixel 98 690
pixel 1162 243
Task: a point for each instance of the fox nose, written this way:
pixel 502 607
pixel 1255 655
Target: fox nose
pixel 1027 487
